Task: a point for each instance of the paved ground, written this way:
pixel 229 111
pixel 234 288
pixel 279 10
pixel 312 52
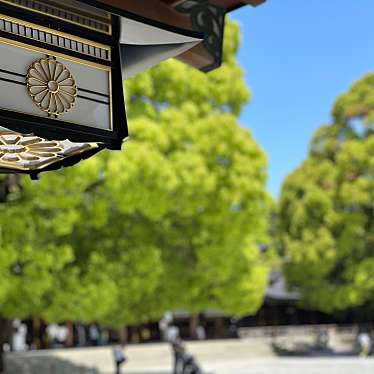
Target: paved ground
pixel 276 366
pixel 293 366
pixel 219 357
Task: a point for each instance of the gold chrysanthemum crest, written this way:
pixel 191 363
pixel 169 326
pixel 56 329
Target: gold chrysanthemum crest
pixel 51 86
pixel 17 149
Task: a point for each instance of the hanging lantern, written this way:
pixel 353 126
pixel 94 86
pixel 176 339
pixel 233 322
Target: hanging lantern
pixel 63 64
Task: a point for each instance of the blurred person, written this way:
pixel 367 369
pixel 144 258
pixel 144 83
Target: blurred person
pixel 118 357
pixel 104 337
pixel 94 335
pixel 81 335
pixel 190 365
pixel 233 328
pixel 184 363
pixel 200 333
pixel 57 335
pixel 172 334
pixel 164 324
pixel 322 340
pixel 179 352
pixel 19 336
pixel 364 343
pixel 52 335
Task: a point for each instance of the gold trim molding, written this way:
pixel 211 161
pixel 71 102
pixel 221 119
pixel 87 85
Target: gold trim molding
pixel 53 37
pixel 90 22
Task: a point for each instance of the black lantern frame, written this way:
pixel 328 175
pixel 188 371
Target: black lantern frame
pixel 97 29
pixel 59 130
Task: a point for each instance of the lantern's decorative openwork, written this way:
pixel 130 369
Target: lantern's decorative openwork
pixel 62 66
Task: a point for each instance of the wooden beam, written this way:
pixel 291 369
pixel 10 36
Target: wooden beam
pixel 226 4
pixel 198 57
pixel 152 9
pixel 162 9
pixel 235 4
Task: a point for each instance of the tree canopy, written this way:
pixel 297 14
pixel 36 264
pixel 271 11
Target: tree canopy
pixel 327 208
pixel 173 222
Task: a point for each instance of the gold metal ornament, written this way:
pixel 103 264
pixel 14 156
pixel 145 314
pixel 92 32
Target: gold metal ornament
pixel 51 86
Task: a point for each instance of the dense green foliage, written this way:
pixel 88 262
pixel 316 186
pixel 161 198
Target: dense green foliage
pixel 173 221
pixel 327 209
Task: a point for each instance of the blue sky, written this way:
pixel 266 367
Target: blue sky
pixel 299 55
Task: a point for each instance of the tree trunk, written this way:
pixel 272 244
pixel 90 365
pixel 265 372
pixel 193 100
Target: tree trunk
pixel 123 335
pixel 70 338
pixel 194 323
pixel 36 325
pixel 5 336
pixel 219 324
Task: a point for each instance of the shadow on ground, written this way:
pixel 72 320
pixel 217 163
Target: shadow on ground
pixel 153 372
pixel 144 372
pixel 308 351
pixel 15 364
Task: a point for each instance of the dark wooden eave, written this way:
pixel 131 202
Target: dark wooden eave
pixel 163 11
pixel 158 9
pixel 227 4
pixel 155 10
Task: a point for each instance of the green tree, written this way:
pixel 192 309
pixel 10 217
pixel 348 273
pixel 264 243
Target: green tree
pixel 173 221
pixel 327 208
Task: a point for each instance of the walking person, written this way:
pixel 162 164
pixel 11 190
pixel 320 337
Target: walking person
pixel 118 357
pixel 179 351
